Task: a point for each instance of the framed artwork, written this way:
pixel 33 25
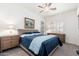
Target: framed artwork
pixel 29 23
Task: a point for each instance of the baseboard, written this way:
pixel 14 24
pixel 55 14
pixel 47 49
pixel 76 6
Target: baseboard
pixel 72 44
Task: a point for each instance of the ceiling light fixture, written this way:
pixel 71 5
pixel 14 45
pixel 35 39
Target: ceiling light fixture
pixel 46 7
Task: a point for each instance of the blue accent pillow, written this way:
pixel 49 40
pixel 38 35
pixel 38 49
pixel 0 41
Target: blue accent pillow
pixel 30 32
pixel 35 32
pixel 27 33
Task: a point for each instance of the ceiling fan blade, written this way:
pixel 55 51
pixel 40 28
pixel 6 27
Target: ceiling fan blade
pixel 40 7
pixel 41 11
pixel 45 4
pixel 49 4
pixel 52 8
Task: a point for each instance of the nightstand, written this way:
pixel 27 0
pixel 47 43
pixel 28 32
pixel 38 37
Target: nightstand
pixel 7 42
pixel 60 35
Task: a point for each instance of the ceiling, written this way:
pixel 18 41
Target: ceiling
pixel 60 7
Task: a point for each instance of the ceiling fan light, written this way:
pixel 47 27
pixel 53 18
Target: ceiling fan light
pixel 47 9
pixel 52 8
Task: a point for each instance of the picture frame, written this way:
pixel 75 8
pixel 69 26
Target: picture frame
pixel 29 23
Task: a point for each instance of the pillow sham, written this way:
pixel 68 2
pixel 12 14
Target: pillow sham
pixel 30 32
pixel 35 32
pixel 27 33
pixel 23 35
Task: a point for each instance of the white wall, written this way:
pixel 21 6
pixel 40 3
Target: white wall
pixel 70 21
pixel 15 13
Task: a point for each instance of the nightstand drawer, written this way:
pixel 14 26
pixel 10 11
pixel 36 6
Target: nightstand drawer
pixel 15 42
pixel 61 36
pixel 15 37
pixel 6 45
pixel 5 38
pixel 7 42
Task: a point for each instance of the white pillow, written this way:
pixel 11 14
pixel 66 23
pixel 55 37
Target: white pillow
pixel 36 33
pixel 26 35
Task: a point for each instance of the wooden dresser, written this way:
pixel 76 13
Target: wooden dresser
pixel 60 35
pixel 7 42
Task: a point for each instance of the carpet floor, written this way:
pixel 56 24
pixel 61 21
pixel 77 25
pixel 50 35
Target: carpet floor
pixel 65 50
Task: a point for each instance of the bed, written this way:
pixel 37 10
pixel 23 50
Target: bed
pixel 38 44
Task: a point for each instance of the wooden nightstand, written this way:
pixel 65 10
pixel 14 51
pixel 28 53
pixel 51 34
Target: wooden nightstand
pixel 60 35
pixel 7 42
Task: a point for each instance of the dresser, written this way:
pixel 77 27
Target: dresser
pixel 60 35
pixel 7 42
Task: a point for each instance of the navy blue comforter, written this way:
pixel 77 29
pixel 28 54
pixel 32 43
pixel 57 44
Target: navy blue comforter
pixel 46 47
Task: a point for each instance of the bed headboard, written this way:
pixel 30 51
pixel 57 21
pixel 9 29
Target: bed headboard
pixel 24 30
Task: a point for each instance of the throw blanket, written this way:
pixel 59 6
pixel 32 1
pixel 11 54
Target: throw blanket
pixel 36 43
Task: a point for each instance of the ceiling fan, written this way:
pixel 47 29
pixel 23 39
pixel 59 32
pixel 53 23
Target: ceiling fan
pixel 46 7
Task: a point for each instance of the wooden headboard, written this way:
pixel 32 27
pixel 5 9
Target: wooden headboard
pixel 24 30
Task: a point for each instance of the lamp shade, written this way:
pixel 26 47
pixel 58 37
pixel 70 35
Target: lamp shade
pixel 11 26
pixel 9 30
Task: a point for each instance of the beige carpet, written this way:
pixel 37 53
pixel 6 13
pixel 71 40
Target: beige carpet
pixel 65 50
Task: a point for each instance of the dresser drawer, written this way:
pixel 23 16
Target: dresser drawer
pixel 15 37
pixel 15 42
pixel 5 38
pixel 5 45
pixel 61 36
pixel 7 42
